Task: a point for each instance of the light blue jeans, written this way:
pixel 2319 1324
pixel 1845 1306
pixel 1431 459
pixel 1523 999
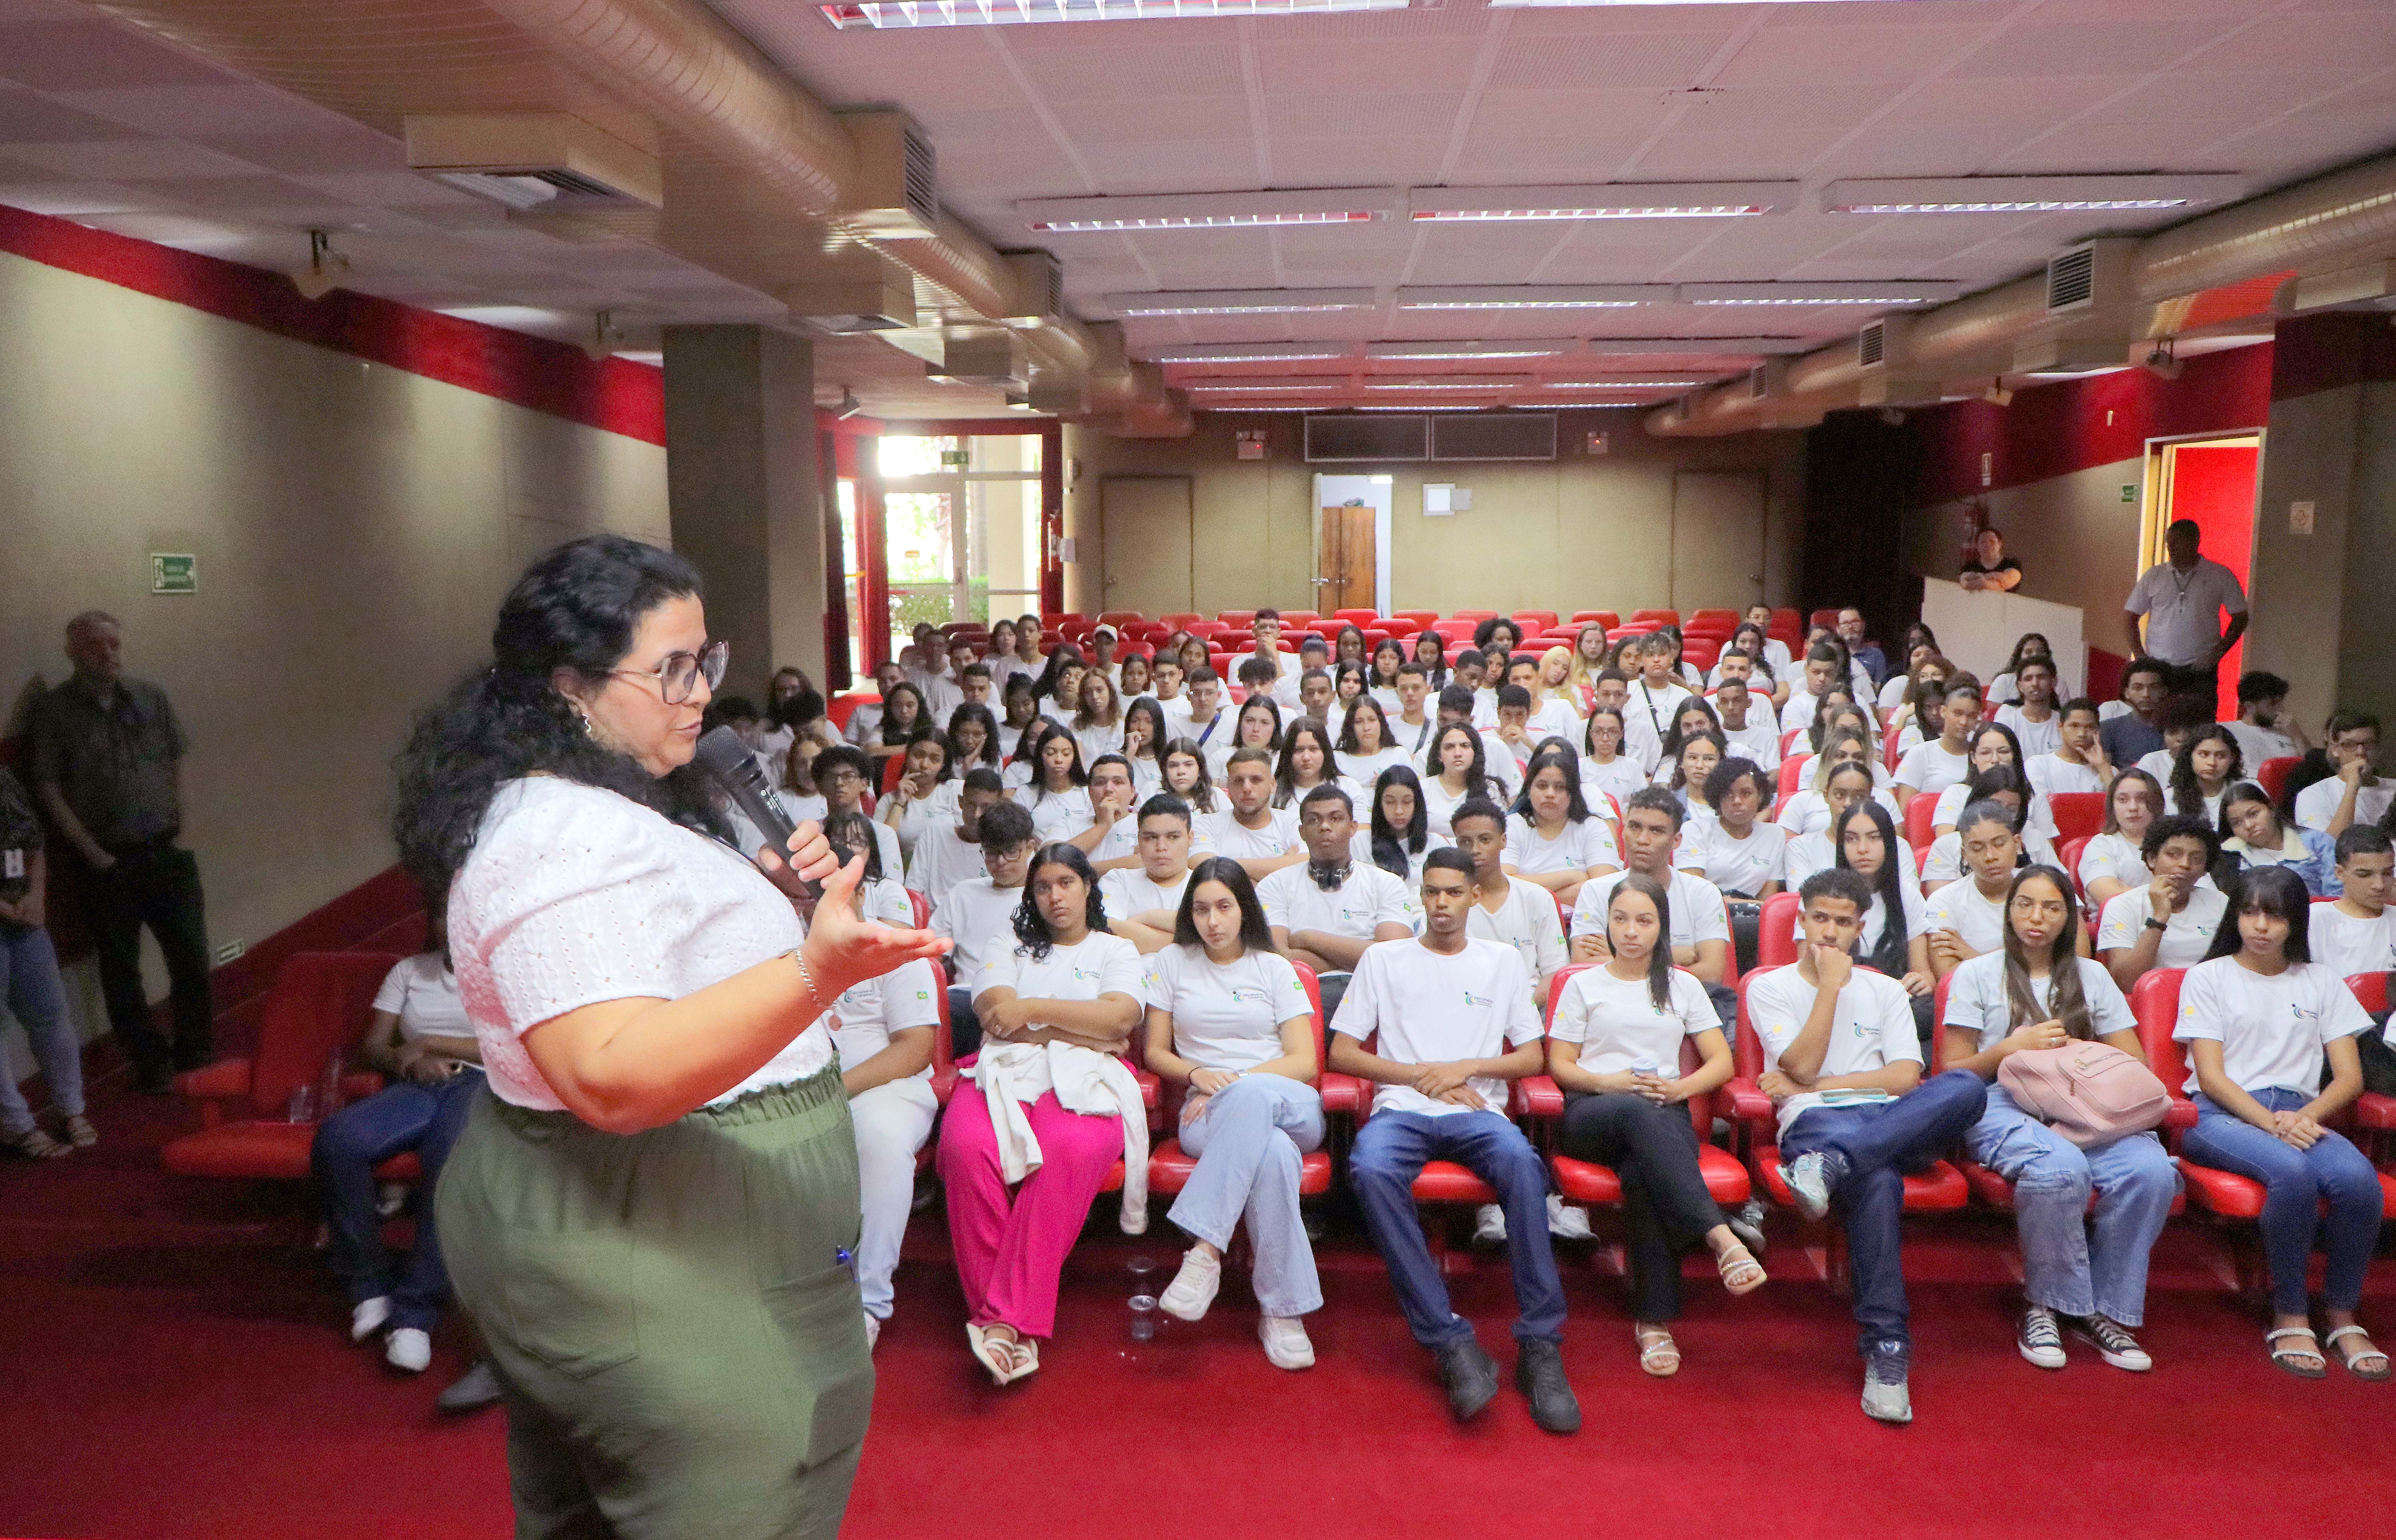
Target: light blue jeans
pixel 2069 1266
pixel 1247 1140
pixel 30 988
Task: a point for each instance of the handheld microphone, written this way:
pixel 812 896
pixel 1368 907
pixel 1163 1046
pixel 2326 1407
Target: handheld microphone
pixel 726 760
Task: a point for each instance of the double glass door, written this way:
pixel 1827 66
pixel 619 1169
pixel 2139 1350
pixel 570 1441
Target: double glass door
pixel 960 529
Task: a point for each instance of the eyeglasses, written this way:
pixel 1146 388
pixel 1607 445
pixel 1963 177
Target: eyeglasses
pixel 681 670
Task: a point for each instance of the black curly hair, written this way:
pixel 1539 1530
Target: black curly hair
pixel 1030 925
pixel 576 608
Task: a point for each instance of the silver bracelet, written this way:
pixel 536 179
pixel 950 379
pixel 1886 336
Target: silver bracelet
pixel 815 995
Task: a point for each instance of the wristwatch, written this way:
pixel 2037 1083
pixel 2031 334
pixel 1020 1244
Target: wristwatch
pixel 2153 924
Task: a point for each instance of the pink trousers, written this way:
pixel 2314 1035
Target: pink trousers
pixel 1010 1248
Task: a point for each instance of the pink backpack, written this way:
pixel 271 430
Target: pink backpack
pixel 2090 1092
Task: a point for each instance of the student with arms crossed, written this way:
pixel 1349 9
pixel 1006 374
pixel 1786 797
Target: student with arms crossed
pixel 1843 1066
pixel 1228 1017
pixel 2037 992
pixel 1453 1023
pixel 2261 1020
pixel 2112 862
pixel 1550 839
pixel 1615 1051
pixel 1327 909
pixel 1142 901
pixel 976 916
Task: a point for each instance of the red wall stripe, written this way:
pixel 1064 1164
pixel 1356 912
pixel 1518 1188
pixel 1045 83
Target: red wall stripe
pixel 614 395
pixel 2054 429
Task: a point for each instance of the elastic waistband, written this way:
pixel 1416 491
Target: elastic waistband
pixel 767 1104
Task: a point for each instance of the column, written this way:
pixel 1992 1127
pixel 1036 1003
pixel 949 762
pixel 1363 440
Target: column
pixel 745 493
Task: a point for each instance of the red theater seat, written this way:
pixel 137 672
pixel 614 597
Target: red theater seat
pixel 1775 935
pixel 1918 814
pixel 2273 775
pixel 1607 618
pixel 2154 999
pixel 2371 1110
pixel 843 707
pixel 1661 617
pixel 2078 814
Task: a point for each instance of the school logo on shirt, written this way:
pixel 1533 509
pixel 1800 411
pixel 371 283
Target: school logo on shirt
pixel 2302 1014
pixel 1080 973
pixel 1480 1001
pixel 1241 994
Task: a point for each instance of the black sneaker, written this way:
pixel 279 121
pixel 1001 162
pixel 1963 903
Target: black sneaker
pixel 1470 1377
pixel 2114 1342
pixel 1539 1374
pixel 2040 1340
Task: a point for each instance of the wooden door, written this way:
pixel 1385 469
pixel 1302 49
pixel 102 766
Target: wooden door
pixel 1146 536
pixel 1347 563
pixel 1717 539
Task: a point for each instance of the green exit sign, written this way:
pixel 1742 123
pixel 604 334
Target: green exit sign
pixel 174 574
pixel 953 460
pixel 2129 491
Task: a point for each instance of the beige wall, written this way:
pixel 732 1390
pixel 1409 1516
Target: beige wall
pixel 2321 600
pixel 2075 537
pixel 1581 532
pixel 356 526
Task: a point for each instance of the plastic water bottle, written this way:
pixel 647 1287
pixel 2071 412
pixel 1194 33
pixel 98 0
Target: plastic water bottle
pixel 302 1105
pixel 328 1087
pixel 1142 1302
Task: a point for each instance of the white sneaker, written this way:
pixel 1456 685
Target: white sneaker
pixel 1567 1222
pixel 2040 1341
pixel 409 1348
pixel 368 1318
pixel 1287 1345
pixel 1193 1289
pixel 1489 1227
pixel 390 1197
pixel 872 1333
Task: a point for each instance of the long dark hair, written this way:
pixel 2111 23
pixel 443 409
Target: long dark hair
pixel 1045 688
pixel 575 608
pixel 1030 925
pixel 1200 795
pixel 1255 933
pixel 2187 797
pixel 1146 706
pixel 853 834
pixel 1273 712
pixel 2276 891
pixel 1476 775
pixel 1373 680
pixel 1890 956
pixel 1285 791
pixel 1558 754
pixel 1659 960
pixel 915 732
pixel 972 712
pixel 1674 736
pixel 2065 1001
pixel 1348 724
pixel 1436 669
pixel 1078 776
pixel 1392 845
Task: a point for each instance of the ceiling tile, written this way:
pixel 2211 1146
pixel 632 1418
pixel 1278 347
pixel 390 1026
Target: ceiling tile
pixel 2086 48
pixel 1819 57
pixel 128 158
pixel 97 55
pixel 193 112
pixel 1665 60
pixel 1126 71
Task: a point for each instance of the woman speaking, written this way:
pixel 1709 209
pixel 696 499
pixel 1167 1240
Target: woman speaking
pixel 651 1215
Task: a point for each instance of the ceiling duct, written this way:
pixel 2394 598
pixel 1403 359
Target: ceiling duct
pixel 1039 289
pixel 895 195
pixel 2092 275
pixel 530 160
pixel 995 360
pixel 859 290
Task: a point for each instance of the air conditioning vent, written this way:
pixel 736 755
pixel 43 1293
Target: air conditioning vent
pixel 531 160
pixel 1332 439
pixel 1872 345
pixel 898 195
pixel 996 360
pixel 2071 279
pixel 922 183
pixel 1493 436
pixel 1040 288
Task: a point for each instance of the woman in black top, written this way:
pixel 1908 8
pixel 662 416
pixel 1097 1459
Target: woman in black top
pixel 1990 566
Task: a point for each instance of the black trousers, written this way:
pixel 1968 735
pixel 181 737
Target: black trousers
pixel 157 885
pixel 1654 1149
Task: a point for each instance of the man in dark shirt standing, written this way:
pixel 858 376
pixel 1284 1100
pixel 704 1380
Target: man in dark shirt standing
pixel 107 756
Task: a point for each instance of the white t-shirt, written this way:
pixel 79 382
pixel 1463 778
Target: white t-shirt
pixel 1580 847
pixel 573 896
pixel 1929 767
pixel 1647 718
pixel 1096 740
pixel 2318 802
pixel 1736 865
pixel 1943 862
pixel 1226 1016
pixel 2186 935
pixel 1360 849
pixel 1525 920
pixel 917 818
pixel 1808 812
pixel 1058 815
pixel 1875 921
pixel 1975 1000
pixel 2113 855
pixel 1961 907
pixel 942 859
pixel 1434 1008
pixel 1620 1027
pixel 1366 769
pixel 2035 737
pixel 1223 835
pixel 1872 1030
pixel 1696 905
pixel 2272 1030
pixel 1440 803
pixel 2183 612
pixel 1759 740
pixel 1366 898
pixel 866 1014
pixel 423 994
pixel 2346 945
pixel 1129 891
pixel 978 916
pixel 1097 964
pixel 2257 744
pixel 1498 762
pixel 1618 777
pixel 2049 774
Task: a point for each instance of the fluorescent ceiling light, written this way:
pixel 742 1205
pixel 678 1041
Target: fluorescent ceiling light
pixel 1547 5
pixel 1333 206
pixel 1252 352
pixel 2026 194
pixel 1240 302
pixel 1895 292
pixel 1730 347
pixel 1505 297
pixel 1609 201
pixel 1006 13
pixel 1455 382
pixel 1530 348
pixel 1621 384
pixel 1259 385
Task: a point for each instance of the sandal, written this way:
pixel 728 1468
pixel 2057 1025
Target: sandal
pixel 35 1145
pixel 2366 1354
pixel 1657 1354
pixel 1026 1352
pixel 1741 1273
pixel 80 1132
pixel 2303 1363
pixel 995 1354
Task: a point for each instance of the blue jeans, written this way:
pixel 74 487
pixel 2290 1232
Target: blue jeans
pixel 30 988
pixel 1881 1143
pixel 1391 1152
pixel 349 1145
pixel 964 1028
pixel 1248 1139
pixel 2298 1181
pixel 2064 1269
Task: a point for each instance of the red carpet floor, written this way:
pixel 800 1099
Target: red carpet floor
pixel 173 1364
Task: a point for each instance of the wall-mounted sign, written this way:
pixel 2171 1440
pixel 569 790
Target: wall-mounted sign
pixel 2129 492
pixel 174 574
pixel 1248 443
pixel 2301 517
pixel 1597 444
